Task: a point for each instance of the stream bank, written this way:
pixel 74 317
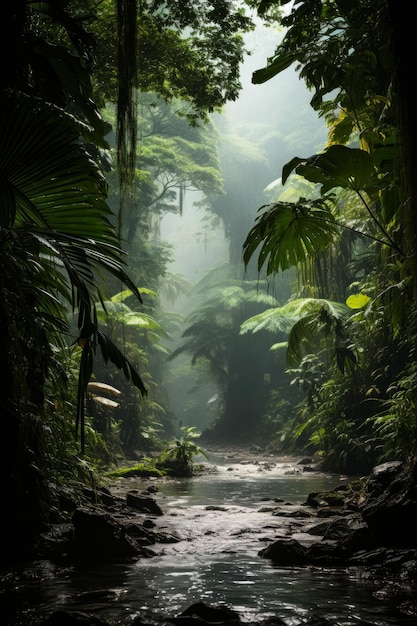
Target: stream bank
pixel 246 537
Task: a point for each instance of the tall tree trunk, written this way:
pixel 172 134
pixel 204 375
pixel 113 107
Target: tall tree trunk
pixel 404 58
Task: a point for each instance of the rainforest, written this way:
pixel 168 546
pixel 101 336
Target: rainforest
pixel 184 270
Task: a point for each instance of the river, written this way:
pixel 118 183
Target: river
pixel 222 519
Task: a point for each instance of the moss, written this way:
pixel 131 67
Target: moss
pixel 141 469
pixel 332 498
pixel 357 485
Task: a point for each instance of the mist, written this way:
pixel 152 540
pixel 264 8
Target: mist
pixel 258 134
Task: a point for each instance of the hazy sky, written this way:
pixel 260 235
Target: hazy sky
pixel 281 103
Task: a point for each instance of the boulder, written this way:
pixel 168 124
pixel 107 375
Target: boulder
pixel 211 613
pixel 72 618
pixel 390 507
pixel 143 503
pixel 285 552
pixel 326 553
pixel 99 535
pixel 351 532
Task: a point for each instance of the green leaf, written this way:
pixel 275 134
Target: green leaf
pixel 112 353
pixel 286 234
pixel 357 301
pixel 339 166
pixel 275 66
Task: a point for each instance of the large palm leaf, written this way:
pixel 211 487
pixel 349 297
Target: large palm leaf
pixel 305 320
pixel 53 191
pixel 286 234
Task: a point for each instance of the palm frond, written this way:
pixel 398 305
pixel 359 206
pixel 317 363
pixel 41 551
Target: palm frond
pixel 287 234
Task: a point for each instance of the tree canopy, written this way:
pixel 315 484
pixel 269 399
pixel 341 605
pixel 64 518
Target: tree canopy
pixel 81 79
pixel 349 55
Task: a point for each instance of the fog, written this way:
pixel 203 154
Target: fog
pixel 259 133
pixel 275 117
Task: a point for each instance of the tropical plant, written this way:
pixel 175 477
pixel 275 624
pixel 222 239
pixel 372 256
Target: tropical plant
pixel 177 458
pixel 141 336
pixel 308 322
pixel 361 104
pixel 57 241
pixel 240 366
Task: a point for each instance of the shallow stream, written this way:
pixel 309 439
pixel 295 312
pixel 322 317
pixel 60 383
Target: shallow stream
pixel 222 520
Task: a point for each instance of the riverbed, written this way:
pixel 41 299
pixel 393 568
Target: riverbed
pixel 221 520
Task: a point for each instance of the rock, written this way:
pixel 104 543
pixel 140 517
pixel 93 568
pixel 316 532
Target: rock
pixel 317 620
pixel 101 495
pixel 72 618
pixel 390 509
pixel 211 613
pixel 98 535
pixel 369 557
pixel 381 477
pixel 357 537
pixel 319 529
pixel 285 552
pixel 142 503
pixel 326 553
pixel 306 461
pixel 390 558
pixel 327 512
pixel 215 507
pixel 350 531
pixel 139 533
pixel 299 512
pixel 318 499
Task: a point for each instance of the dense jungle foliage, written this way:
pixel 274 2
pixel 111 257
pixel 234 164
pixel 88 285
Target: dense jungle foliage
pixel 111 114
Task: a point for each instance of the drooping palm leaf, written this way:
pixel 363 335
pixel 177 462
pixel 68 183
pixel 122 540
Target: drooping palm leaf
pixel 112 353
pixel 286 234
pixel 338 166
pixel 305 319
pixel 349 168
pixel 272 320
pixel 53 185
pixel 54 193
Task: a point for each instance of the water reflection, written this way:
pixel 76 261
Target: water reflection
pixel 223 521
pixel 256 589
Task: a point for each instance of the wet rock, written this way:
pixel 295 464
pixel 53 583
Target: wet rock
pixel 143 503
pixel 357 537
pixel 306 461
pixel 201 614
pixel 326 553
pixel 215 507
pixel 98 535
pixel 299 512
pixel 389 557
pixel 101 495
pixel 309 468
pixel 318 499
pixel 390 509
pixel 211 613
pixel 55 542
pixel 272 621
pixel 285 552
pixel 327 512
pixel 167 538
pixel 319 529
pixel 139 532
pixel 342 529
pixel 382 476
pixel 72 618
pixel 317 620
